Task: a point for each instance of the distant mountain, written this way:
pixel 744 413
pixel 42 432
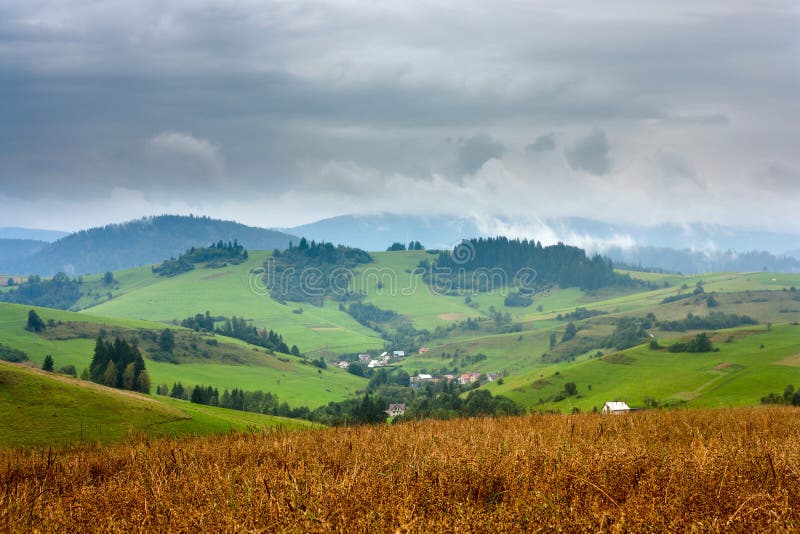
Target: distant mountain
pixel 13 232
pixel 688 248
pixel 11 249
pixel 376 232
pixel 140 242
pixel 694 236
pixel 695 262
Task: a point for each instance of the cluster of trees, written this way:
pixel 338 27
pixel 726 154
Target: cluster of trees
pixel 630 331
pixel 570 390
pixel 579 314
pixel 699 343
pixel 413 245
pixel 714 321
pixel 517 299
pixel 311 271
pixel 369 314
pixel 119 365
pixel 9 354
pixel 60 292
pixel 566 265
pixel 216 255
pixel 241 328
pixel 790 396
pixel 201 322
pixel 698 290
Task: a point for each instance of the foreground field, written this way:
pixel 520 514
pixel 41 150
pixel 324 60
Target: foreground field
pixel 731 470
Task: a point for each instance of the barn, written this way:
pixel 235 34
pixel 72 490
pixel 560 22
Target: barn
pixel 616 407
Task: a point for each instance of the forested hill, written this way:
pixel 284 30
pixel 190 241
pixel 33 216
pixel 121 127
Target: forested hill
pixel 565 265
pixel 140 242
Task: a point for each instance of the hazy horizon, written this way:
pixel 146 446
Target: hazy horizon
pixel 276 115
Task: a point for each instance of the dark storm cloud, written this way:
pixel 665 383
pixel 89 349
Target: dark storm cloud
pixel 195 101
pixel 590 153
pixel 543 143
pixel 476 151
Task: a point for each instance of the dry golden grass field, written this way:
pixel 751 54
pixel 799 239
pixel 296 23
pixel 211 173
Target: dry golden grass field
pixel 701 470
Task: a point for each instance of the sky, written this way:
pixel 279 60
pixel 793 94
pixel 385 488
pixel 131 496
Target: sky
pixel 281 113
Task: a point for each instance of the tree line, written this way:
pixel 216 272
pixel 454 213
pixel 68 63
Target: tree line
pixel 397 246
pixel 714 321
pixel 215 255
pixel 240 328
pixel 566 265
pixel 60 292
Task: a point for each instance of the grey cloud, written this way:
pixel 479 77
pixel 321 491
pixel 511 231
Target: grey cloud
pixel 477 150
pixel 277 89
pixel 590 153
pixel 779 178
pixel 675 165
pixel 543 143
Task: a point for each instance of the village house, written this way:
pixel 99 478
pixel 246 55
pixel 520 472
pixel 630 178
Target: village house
pixel 399 353
pixel 396 410
pixel 423 350
pixel 343 365
pixel 422 377
pixel 616 407
pixel 364 358
pixel 491 377
pixel 468 378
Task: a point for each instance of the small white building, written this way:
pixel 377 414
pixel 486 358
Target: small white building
pixel 399 353
pixel 616 407
pixel 343 364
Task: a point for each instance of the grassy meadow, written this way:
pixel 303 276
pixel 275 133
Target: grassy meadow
pixel 285 376
pixel 48 410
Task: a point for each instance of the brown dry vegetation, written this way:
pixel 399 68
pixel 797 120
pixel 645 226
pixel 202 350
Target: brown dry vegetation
pixel 724 470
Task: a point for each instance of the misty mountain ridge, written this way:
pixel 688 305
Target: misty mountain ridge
pixel 377 231
pixel 139 242
pixel 35 234
pixel 690 248
pixel 19 248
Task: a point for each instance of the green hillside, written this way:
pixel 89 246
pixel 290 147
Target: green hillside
pixel 45 409
pixel 233 290
pixel 750 364
pixel 392 283
pixel 288 377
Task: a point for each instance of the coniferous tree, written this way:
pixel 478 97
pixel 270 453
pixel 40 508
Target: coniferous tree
pixel 143 382
pixel 48 364
pixel 35 323
pixel 110 375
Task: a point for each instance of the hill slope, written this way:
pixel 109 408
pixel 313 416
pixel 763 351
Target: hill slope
pixel 45 409
pixel 11 249
pixel 219 361
pixel 144 241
